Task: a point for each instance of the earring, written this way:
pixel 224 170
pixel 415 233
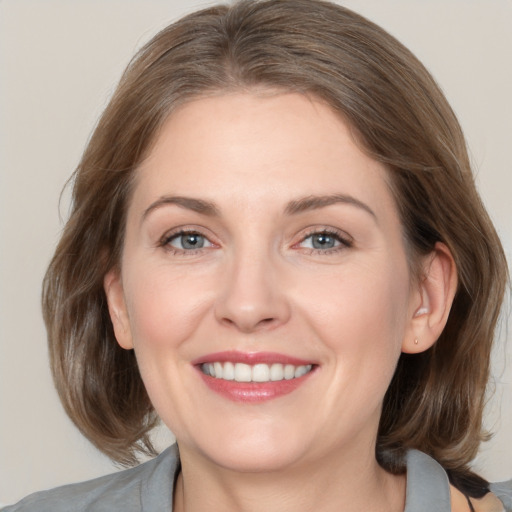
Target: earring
pixel 416 341
pixel 421 311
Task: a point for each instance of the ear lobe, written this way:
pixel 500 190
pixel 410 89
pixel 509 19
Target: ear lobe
pixel 436 292
pixel 117 308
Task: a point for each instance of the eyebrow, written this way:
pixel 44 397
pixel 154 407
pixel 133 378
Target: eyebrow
pixel 197 205
pixel 294 207
pixel 314 202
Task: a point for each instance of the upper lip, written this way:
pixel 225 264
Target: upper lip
pixel 250 358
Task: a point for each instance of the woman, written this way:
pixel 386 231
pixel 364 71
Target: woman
pixel 276 245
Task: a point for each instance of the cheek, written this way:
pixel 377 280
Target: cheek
pixel 360 310
pixel 357 314
pixel 164 306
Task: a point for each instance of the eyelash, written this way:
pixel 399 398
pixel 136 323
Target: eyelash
pixel 345 242
pixel 339 236
pixel 166 240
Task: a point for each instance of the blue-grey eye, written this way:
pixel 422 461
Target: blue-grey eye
pixel 189 241
pixel 321 241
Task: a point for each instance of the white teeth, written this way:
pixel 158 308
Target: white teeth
pixel 276 372
pixel 289 371
pixel 217 368
pixel 242 373
pixel 300 371
pixel 261 372
pixel 229 371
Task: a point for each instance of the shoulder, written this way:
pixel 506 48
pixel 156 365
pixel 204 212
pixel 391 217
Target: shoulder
pixel 503 491
pixel 428 488
pixel 144 487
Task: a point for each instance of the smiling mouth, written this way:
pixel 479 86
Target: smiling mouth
pixel 241 372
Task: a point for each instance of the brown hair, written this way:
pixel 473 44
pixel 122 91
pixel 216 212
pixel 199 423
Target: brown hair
pixel 399 116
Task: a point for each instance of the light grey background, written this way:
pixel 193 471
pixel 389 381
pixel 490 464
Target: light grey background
pixel 59 62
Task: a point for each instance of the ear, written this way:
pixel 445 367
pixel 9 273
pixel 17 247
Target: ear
pixel 113 287
pixel 432 300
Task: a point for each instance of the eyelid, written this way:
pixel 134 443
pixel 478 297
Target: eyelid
pixel 183 234
pixel 164 240
pixel 345 240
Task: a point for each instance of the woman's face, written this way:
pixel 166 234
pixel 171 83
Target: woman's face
pixel 264 283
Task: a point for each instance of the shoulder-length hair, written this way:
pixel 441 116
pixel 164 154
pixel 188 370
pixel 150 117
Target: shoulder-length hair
pixel 399 117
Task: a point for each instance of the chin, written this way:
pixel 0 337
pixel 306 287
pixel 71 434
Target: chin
pixel 254 454
pixel 262 460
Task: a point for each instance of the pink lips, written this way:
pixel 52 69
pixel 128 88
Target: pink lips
pixel 250 358
pixel 252 392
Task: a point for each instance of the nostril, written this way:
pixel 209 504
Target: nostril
pixel 265 322
pixel 247 305
pixel 249 325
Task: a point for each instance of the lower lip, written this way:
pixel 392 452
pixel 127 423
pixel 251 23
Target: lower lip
pixel 253 392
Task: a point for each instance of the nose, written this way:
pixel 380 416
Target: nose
pixel 253 295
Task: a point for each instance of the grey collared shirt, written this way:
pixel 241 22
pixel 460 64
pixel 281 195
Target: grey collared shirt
pixel 149 488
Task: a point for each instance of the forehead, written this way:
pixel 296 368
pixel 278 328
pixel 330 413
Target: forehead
pixel 228 146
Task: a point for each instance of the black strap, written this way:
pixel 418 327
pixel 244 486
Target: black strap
pixel 471 508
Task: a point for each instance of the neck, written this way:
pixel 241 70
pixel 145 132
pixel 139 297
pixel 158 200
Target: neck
pixel 350 484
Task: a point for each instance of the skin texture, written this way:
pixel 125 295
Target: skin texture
pixel 258 284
